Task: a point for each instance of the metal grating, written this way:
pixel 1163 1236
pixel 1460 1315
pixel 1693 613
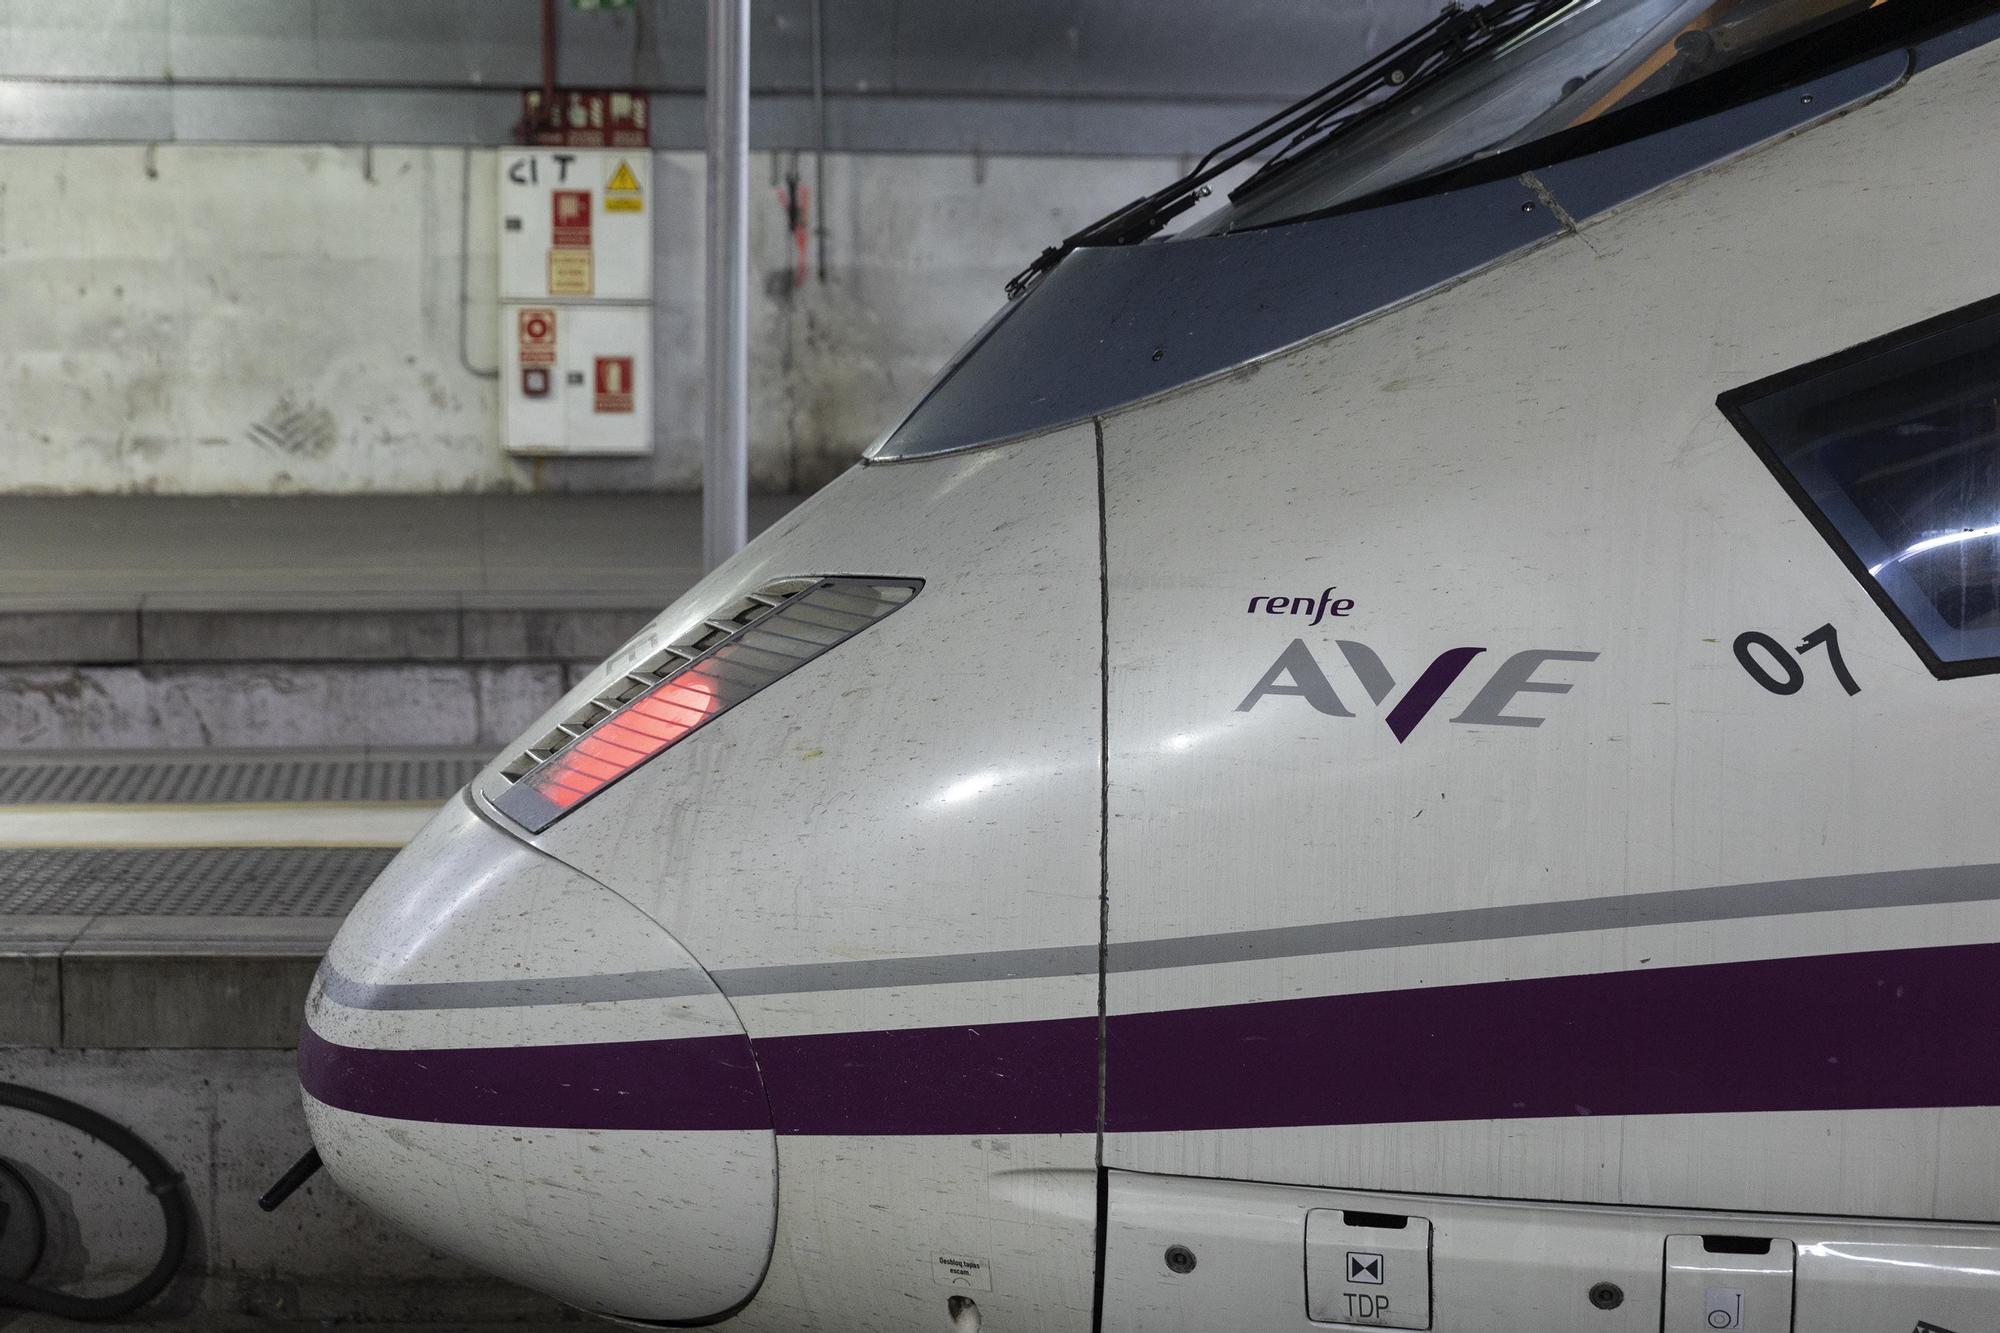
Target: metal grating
pixel 187 881
pixel 215 781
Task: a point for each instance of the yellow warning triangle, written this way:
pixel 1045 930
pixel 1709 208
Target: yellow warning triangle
pixel 623 179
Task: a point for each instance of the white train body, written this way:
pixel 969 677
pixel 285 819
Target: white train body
pixel 1326 819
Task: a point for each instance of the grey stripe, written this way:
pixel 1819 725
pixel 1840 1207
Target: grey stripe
pixel 1073 960
pixel 517 993
pixel 674 983
pixel 1727 902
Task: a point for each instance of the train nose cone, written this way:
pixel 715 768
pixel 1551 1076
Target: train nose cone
pixel 516 1065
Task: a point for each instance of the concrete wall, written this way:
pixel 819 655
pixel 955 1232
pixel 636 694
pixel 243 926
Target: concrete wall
pixel 283 319
pixel 230 1123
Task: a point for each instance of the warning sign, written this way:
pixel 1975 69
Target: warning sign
pixel 569 223
pixel 538 337
pixel 621 192
pixel 962 1270
pixel 569 273
pixel 614 384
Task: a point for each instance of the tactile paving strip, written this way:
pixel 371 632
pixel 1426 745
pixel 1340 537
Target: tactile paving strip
pixel 217 781
pixel 187 881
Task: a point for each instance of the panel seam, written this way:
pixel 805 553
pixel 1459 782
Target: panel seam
pixel 1103 871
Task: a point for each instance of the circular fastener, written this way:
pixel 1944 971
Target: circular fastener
pixel 1807 100
pixel 1159 354
pixel 1720 1319
pixel 1607 1295
pixel 1180 1259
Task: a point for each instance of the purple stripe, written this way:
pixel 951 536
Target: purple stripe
pixel 1001 1078
pixel 1900 1028
pixel 1428 689
pixel 692 1083
pixel 1911 1027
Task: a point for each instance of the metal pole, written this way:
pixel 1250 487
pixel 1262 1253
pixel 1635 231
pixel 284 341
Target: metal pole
pixel 726 477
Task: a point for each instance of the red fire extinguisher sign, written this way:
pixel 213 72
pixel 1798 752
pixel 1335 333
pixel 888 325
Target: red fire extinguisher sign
pixel 614 384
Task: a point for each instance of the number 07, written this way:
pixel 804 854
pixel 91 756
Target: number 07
pixel 1790 676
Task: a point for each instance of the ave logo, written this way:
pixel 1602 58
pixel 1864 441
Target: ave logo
pixel 1297 672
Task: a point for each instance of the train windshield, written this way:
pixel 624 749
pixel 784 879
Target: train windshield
pixel 1581 62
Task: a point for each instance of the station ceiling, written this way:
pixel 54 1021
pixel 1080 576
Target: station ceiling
pixel 1115 77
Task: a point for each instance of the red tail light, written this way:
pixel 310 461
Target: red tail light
pixel 687 686
pixel 648 725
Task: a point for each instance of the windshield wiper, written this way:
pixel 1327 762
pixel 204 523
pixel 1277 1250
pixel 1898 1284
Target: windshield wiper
pixel 1455 36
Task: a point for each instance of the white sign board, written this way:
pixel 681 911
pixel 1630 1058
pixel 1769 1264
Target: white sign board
pixel 576 224
pixel 577 379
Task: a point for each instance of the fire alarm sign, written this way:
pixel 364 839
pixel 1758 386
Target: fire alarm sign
pixel 538 337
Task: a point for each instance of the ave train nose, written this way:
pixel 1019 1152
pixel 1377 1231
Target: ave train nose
pixel 585 1117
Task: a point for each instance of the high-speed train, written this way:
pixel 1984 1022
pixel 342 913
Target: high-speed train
pixel 1423 752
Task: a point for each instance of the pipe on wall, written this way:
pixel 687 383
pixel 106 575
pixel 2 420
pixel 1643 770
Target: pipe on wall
pixel 819 134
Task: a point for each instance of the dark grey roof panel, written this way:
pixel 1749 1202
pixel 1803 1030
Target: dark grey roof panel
pixel 1109 327
pixel 1602 181
pixel 1957 42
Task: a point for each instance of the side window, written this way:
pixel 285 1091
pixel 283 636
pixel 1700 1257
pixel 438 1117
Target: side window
pixel 1893 450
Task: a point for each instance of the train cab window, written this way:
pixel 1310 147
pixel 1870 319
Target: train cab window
pixel 1893 450
pixel 1549 67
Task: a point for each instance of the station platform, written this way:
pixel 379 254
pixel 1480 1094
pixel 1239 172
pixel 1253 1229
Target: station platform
pixel 182 900
pixel 125 547
pixel 220 718
pixel 161 917
pixel 142 622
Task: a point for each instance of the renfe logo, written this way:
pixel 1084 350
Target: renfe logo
pixel 1488 708
pixel 1319 609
